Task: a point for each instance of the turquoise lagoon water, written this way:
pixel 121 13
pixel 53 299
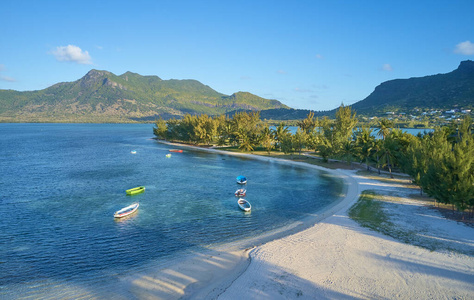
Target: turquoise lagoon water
pixel 61 184
pixel 412 131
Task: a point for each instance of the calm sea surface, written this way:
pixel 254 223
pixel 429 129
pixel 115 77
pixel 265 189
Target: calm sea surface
pixel 61 184
pixel 412 131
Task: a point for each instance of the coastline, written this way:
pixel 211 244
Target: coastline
pixel 207 274
pixel 305 260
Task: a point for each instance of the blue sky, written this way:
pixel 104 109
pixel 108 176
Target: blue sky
pixel 307 54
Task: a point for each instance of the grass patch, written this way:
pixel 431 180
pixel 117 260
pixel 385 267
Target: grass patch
pixel 384 177
pixel 368 212
pixel 371 213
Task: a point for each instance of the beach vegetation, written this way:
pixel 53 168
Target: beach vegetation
pixel 442 164
pixel 279 133
pixel 364 144
pixel 384 213
pixel 371 212
pixel 286 144
pixel 368 212
pixel 267 138
pixel 299 140
pixel 309 124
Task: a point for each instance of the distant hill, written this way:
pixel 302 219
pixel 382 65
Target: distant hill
pixel 287 114
pixel 454 90
pixel 101 96
pixel 441 91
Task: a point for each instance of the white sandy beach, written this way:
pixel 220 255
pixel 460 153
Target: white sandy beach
pixel 327 257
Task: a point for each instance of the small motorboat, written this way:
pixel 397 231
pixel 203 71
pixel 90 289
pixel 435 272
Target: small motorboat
pixel 244 204
pixel 136 190
pixel 240 192
pixel 133 151
pixel 126 210
pixel 168 155
pixel 241 179
pixel 176 150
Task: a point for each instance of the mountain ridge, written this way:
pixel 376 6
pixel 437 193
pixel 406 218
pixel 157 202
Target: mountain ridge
pixel 440 91
pixel 101 96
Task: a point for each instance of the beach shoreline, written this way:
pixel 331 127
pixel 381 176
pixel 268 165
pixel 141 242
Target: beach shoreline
pixel 203 275
pixel 259 268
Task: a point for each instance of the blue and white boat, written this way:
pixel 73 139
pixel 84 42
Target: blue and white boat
pixel 241 179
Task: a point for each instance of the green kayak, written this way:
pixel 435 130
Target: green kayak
pixel 135 191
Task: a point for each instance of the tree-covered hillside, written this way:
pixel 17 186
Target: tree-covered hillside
pixel 101 96
pixel 441 91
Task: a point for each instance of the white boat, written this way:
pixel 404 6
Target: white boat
pixel 126 210
pixel 240 193
pixel 244 204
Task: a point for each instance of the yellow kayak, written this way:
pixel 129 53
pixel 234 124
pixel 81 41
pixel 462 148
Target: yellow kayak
pixel 135 191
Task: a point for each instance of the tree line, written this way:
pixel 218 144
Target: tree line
pixel 441 162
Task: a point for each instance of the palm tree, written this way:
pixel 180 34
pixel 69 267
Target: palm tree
pixel 347 151
pixel 307 125
pixel 225 133
pixel 279 132
pixel 267 139
pixel 246 145
pixel 365 144
pixel 299 140
pixel 384 127
pixel 388 151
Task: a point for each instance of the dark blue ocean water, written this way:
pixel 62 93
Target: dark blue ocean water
pixel 61 184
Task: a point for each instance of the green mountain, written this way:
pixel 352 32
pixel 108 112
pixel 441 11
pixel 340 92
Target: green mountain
pixel 441 91
pixel 101 96
pixel 454 90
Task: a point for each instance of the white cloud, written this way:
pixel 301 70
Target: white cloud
pixel 303 90
pixel 464 48
pixel 387 67
pixel 7 78
pixel 3 77
pixel 72 53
